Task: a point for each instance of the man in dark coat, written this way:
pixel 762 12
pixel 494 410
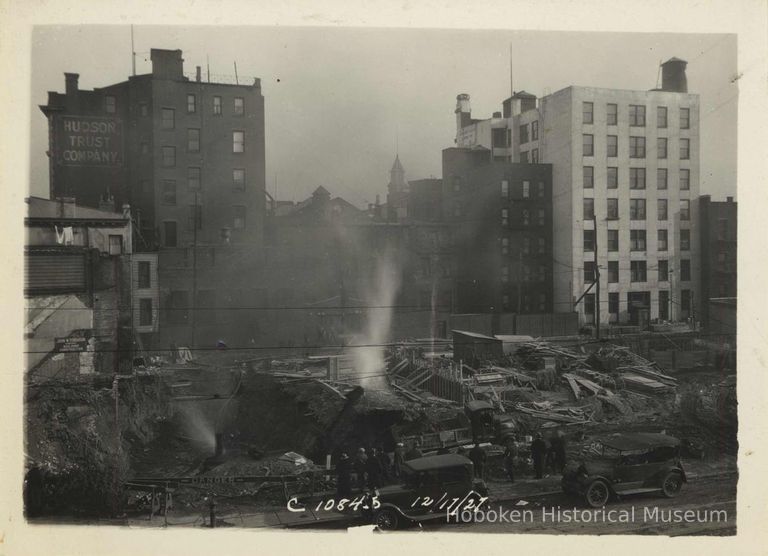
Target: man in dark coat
pixel 361 461
pixel 344 477
pixel 510 459
pixel 538 453
pixel 478 457
pixel 558 447
pixel 399 459
pixel 385 465
pixel 373 469
pixel 414 452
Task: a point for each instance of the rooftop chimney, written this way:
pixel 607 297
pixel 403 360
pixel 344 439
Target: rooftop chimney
pixel 463 112
pixel 729 199
pixel 673 76
pixel 198 75
pixel 71 83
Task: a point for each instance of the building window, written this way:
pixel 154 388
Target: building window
pixel 612 209
pixel 588 143
pixel 542 246
pixel 589 240
pixel 526 217
pixel 526 246
pixel 685 270
pixel 238 141
pixel 613 303
pixel 587 112
pixel 685 118
pixel 145 311
pixel 145 277
pixel 505 217
pixel 143 109
pixel 505 274
pixel 685 179
pixel 505 246
pixel 636 115
pixel 662 240
pixel 685 149
pixel 535 130
pixel 612 114
pixel 217 106
pixel 170 233
pixel 110 104
pixel 193 140
pixel 664 305
pixel 637 240
pixel 613 177
pixel 722 229
pixel 524 157
pixel 637 147
pixel 661 147
pixel 685 209
pixel 661 116
pixel 613 145
pixel 145 148
pixel 504 189
pixel 661 178
pixel 115 244
pixel 456 184
pixel 191 104
pixel 685 240
pixel 589 271
pixel 523 134
pixel 457 209
pixel 169 192
pixel 509 137
pixel 638 271
pixel 589 177
pixel 239 106
pixel 195 217
pixel 238 179
pixel 168 120
pixel 169 157
pixel 589 208
pixel 589 304
pixel 663 267
pixel 637 209
pixel 541 189
pixel 685 300
pixel 534 156
pixel 637 178
pixel 661 212
pixel 526 189
pixel 193 178
pixel 178 310
pixel 238 220
pixel 542 217
pixel 145 188
pixel 613 272
pixel 613 240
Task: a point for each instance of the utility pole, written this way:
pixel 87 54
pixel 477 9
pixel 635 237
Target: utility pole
pixel 597 282
pixel 520 281
pixel 194 271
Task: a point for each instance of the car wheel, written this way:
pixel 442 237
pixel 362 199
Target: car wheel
pixel 387 520
pixel 597 494
pixel 672 484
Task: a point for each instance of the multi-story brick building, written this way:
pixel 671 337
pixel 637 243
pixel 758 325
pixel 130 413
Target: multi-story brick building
pixel 625 173
pixel 501 215
pixel 718 222
pixel 188 155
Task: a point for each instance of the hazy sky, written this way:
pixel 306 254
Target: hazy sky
pixel 336 99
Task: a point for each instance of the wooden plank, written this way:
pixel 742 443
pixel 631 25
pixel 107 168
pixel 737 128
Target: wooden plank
pixel 573 384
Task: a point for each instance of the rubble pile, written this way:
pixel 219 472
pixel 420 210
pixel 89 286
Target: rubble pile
pixel 544 384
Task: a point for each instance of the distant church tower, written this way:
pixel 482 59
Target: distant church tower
pixel 397 193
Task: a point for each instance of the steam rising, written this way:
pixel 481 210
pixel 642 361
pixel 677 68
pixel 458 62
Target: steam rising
pixel 370 361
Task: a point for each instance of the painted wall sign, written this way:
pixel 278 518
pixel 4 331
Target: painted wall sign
pixel 89 141
pixel 71 344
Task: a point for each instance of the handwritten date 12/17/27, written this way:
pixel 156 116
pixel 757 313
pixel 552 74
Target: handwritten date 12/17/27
pixel 468 503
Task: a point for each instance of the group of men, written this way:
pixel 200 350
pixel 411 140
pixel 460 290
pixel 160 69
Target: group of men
pixel 371 468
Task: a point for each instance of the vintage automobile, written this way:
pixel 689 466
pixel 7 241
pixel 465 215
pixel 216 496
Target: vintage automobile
pixel 430 488
pixel 623 464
